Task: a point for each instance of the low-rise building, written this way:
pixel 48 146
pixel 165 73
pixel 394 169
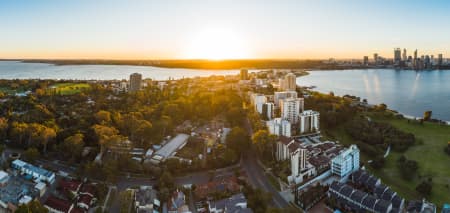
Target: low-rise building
pixel 57 205
pixel 170 148
pixel 346 162
pixel 146 200
pixel 4 177
pixel 38 174
pixel 177 203
pixel 357 200
pixel 234 204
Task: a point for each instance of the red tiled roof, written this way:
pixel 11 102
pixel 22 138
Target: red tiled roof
pixel 87 188
pixel 58 204
pixel 86 199
pixel 69 185
pixel 77 210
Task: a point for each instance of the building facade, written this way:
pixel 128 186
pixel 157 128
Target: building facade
pixel 268 110
pixel 280 127
pixel 38 174
pixel 257 101
pixel 289 82
pixel 346 162
pixel 283 95
pixel 135 82
pixel 291 108
pixel 283 151
pixel 309 122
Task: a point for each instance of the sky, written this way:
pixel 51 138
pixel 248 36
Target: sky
pixel 221 29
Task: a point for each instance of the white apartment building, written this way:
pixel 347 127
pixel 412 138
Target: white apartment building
pixel 291 108
pixel 346 162
pixel 289 82
pixel 268 110
pixel 309 121
pixel 283 95
pixel 280 127
pixel 284 147
pixel 298 161
pixel 257 101
pixel 300 168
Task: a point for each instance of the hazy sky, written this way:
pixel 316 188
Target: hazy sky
pixel 150 29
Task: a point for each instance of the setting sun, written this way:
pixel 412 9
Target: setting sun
pixel 216 44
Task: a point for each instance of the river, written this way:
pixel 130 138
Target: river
pixel 19 70
pixel 407 91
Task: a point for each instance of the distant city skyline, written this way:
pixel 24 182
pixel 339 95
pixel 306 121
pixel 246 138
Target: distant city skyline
pixel 194 29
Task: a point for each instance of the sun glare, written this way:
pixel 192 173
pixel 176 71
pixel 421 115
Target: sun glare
pixel 216 44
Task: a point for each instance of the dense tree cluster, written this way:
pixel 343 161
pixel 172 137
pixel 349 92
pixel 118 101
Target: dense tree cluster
pixel 425 187
pixel 379 134
pixel 99 117
pixel 333 110
pixel 408 168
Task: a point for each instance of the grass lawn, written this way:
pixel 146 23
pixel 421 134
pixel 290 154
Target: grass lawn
pixel 428 152
pixel 68 88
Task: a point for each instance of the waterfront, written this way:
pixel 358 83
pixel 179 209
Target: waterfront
pixel 19 70
pixel 409 92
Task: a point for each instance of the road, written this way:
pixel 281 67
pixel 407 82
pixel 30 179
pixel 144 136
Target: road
pixel 258 179
pixel 257 176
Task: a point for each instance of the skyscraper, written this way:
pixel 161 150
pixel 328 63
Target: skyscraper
pixel 375 58
pixel 366 60
pixel 397 56
pixel 405 57
pixel 289 82
pixel 135 82
pixel 291 108
pixel 440 60
pixel 244 74
pixel 415 60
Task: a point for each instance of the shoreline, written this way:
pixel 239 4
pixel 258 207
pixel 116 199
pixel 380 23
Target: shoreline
pixel 406 116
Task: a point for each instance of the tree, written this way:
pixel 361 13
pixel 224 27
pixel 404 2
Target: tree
pixel 424 188
pixel 143 133
pixel 3 127
pixel 31 154
pixel 46 135
pixel 106 135
pixel 257 199
pixel 408 168
pixel 237 140
pixel 103 117
pixel 73 145
pixel 264 141
pixel 166 180
pixel 32 207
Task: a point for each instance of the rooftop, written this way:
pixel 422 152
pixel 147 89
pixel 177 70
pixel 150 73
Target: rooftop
pixel 173 145
pixel 16 187
pixel 58 204
pixel 33 168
